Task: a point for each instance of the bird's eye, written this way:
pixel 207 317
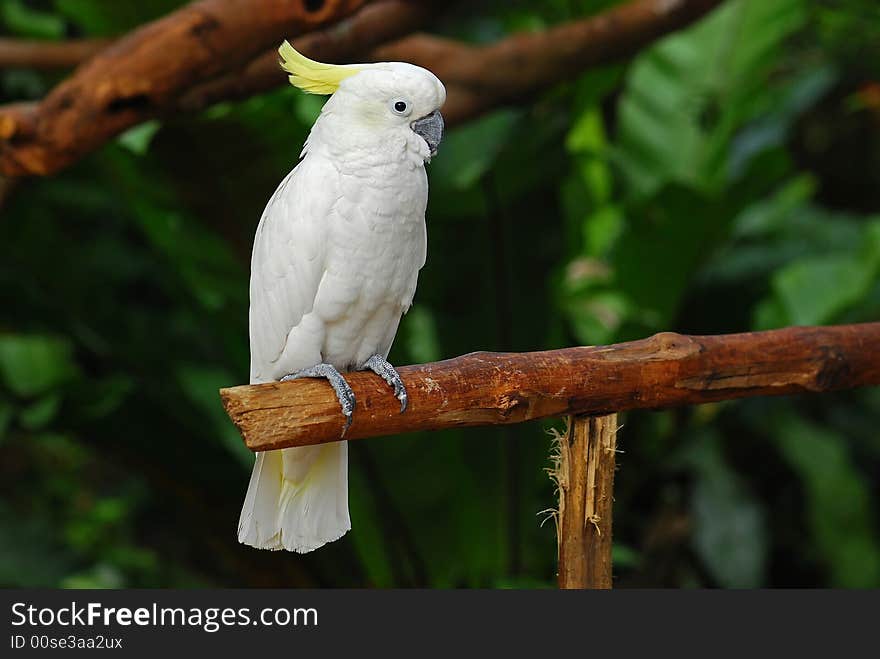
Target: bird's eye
pixel 400 107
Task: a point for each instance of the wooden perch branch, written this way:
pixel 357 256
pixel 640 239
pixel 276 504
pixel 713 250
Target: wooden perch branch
pixel 189 60
pixel 482 388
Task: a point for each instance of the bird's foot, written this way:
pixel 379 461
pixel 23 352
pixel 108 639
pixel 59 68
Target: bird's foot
pixel 340 386
pixel 381 367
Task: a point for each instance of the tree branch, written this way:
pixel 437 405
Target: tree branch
pixel 482 78
pixel 125 85
pixel 143 72
pixel 48 55
pixel 350 40
pixel 482 388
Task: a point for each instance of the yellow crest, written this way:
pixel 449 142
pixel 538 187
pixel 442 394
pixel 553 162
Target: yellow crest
pixel 311 76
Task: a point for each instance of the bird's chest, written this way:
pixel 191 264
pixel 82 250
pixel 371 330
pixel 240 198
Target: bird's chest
pixel 378 232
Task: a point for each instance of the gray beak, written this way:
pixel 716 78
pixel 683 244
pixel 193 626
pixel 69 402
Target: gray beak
pixel 430 128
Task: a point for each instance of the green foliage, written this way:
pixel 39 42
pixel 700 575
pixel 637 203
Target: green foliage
pixel 730 533
pixel 23 20
pixel 706 185
pixel 32 365
pixel 688 96
pixel 101 18
pixel 818 287
pixel 841 515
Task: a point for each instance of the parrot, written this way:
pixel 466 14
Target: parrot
pixel 334 267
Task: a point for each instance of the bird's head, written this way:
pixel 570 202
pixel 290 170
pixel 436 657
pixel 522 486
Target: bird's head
pixel 387 103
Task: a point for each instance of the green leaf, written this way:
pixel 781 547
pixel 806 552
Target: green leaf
pixel 32 364
pixel 601 218
pixel 37 415
pixel 99 17
pixel 730 533
pixel 595 85
pixel 137 139
pixel 782 105
pixel 661 248
pixel 469 151
pixel 98 523
pixel 201 258
pixel 27 22
pixel 687 96
pixel 814 290
pixel 772 213
pixel 419 329
pixel 587 139
pixel 823 264
pixel 839 507
pixel 602 228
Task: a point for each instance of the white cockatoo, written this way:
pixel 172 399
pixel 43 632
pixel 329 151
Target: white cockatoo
pixel 334 267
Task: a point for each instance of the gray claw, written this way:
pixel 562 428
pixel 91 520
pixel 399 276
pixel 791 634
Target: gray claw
pixel 343 391
pixel 381 367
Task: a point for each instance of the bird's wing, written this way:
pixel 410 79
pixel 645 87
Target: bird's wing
pixel 287 264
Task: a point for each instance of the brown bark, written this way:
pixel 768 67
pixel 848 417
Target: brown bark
pixel 350 40
pixel 584 475
pixel 63 127
pixel 482 78
pixel 138 75
pixel 482 388
pixel 50 55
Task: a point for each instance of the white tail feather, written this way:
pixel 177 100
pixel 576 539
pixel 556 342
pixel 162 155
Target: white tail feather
pixel 297 498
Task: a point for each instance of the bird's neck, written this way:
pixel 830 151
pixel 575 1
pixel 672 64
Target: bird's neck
pixel 354 147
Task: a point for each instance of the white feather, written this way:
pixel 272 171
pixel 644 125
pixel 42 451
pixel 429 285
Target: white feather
pixel 334 266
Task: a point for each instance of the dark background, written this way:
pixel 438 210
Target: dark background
pixel 725 179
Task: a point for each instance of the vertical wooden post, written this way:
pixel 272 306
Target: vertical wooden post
pixel 584 474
